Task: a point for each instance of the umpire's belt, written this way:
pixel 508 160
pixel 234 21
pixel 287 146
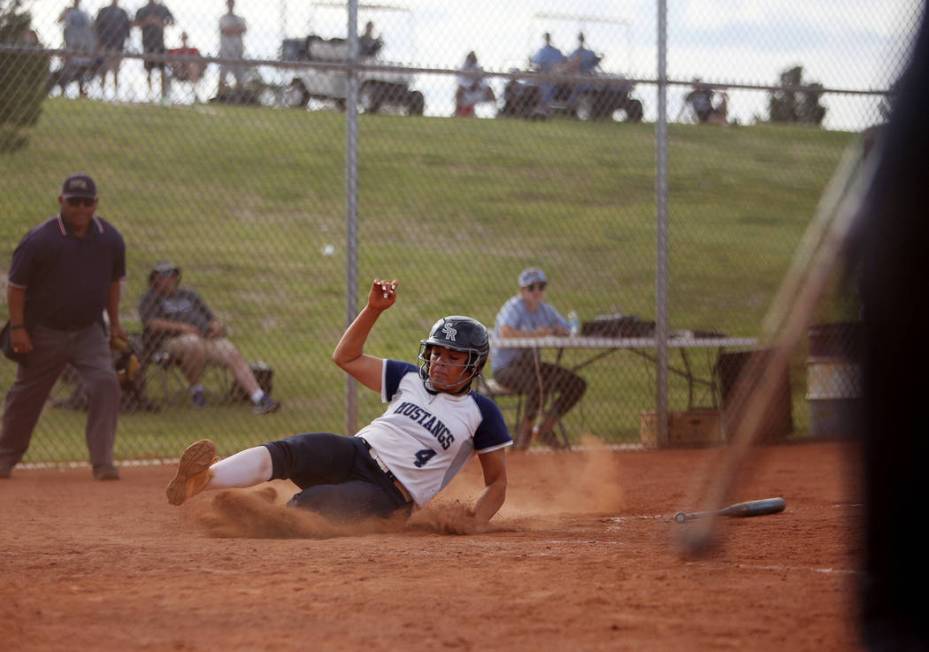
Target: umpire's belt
pixel 390 475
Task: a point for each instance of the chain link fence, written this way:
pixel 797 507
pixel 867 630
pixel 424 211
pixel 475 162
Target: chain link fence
pixel 478 155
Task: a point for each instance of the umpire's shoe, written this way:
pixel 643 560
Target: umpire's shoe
pixel 193 471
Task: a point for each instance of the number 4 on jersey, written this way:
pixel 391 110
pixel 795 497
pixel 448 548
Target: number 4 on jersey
pixel 423 456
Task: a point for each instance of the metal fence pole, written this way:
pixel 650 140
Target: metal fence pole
pixel 351 207
pixel 661 190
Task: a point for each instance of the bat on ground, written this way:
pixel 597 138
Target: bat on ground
pixel 782 330
pixel 739 510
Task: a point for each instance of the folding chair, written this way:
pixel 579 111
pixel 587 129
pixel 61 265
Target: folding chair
pixel 169 386
pixel 507 399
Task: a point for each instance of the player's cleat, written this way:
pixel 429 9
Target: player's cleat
pixel 193 472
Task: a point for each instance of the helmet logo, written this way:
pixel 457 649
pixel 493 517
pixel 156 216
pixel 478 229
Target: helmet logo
pixel 450 332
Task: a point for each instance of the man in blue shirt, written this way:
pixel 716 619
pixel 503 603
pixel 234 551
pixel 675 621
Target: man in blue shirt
pixel 547 59
pixel 520 370
pixel 582 58
pixel 64 274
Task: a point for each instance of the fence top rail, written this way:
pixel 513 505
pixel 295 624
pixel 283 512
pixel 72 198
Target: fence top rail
pixel 386 67
pixel 581 342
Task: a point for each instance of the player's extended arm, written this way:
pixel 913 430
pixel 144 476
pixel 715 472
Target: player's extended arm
pixel 493 465
pixel 349 354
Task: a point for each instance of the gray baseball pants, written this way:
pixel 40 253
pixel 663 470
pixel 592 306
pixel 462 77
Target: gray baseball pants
pixel 88 352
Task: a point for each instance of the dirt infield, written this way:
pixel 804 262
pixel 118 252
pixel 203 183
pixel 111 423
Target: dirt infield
pixel 580 558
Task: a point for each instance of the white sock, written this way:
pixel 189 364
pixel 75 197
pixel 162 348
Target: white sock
pixel 244 469
pixel 257 395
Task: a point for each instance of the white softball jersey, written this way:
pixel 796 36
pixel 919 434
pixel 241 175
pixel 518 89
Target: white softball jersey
pixel 425 438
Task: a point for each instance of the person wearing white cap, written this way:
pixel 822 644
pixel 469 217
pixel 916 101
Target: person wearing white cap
pixel 521 370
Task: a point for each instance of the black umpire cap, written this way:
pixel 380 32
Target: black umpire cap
pixel 79 185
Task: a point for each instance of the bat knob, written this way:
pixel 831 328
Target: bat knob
pixel 680 517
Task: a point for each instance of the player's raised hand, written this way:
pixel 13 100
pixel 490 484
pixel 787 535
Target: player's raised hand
pixel 383 294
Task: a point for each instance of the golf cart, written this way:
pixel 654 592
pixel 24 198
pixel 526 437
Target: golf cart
pixel 604 97
pixel 592 94
pixel 377 90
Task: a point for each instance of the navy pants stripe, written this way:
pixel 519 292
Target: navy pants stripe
pixel 337 476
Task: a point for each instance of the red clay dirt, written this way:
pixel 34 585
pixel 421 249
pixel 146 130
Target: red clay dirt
pixel 582 557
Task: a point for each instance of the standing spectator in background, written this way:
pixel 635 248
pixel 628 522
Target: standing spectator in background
pixel 472 88
pixel 369 44
pixel 64 274
pixel 521 371
pixel 152 18
pixel 547 59
pixel 179 321
pixel 112 27
pixel 80 40
pixel 231 46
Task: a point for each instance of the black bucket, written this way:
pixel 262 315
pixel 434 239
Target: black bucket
pixel 778 419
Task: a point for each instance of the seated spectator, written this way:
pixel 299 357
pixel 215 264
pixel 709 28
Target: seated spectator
pixel 472 88
pixel 521 370
pixel 368 44
pixel 704 103
pixel 178 321
pixel 187 71
pixel 547 59
pixel 582 60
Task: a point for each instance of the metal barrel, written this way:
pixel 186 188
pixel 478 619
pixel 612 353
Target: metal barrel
pixel 833 379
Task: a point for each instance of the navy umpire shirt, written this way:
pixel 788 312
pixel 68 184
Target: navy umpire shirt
pixel 67 279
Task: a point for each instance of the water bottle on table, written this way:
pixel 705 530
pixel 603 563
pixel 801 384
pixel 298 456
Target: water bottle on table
pixel 574 324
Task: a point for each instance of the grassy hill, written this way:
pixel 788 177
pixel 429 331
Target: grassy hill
pixel 245 200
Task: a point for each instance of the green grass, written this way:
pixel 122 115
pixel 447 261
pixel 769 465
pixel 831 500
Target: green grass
pixel 244 199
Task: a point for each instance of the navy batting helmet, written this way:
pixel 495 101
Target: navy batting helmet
pixel 458 333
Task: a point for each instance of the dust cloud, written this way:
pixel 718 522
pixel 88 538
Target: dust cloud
pixel 541 488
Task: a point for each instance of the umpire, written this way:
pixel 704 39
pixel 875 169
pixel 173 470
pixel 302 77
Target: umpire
pixel 64 274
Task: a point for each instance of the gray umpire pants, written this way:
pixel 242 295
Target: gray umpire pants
pixel 88 351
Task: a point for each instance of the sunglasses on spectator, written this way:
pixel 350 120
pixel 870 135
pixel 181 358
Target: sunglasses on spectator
pixel 81 201
pixel 532 287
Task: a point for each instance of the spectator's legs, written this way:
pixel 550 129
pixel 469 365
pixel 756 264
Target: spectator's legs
pixel 223 351
pixel 522 377
pixel 568 388
pixel 27 396
pixel 537 381
pixel 116 65
pixel 221 87
pixel 165 83
pixel 191 351
pixel 94 362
